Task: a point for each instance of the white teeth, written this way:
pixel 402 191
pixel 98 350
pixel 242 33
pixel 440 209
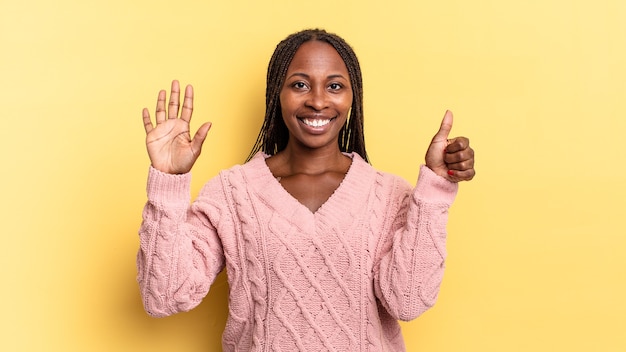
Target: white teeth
pixel 316 122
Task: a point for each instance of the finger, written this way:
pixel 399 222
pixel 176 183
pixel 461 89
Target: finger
pixel 147 123
pixel 457 144
pixel 160 107
pixel 458 176
pixel 445 128
pixel 199 137
pixel 461 155
pixel 461 165
pixel 187 104
pixel 172 111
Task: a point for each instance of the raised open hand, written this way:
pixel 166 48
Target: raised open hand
pixel 169 143
pixel 452 159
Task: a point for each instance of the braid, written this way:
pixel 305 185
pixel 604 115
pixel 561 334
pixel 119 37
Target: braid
pixel 274 135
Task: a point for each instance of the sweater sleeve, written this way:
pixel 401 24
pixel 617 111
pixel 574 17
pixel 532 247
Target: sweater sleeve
pixel 411 260
pixel 180 252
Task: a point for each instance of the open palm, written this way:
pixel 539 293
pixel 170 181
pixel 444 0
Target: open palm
pixel 170 146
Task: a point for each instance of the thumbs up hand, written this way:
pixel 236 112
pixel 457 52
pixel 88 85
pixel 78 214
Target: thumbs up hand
pixel 453 158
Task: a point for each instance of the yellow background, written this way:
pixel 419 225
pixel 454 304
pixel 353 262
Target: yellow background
pixel 537 258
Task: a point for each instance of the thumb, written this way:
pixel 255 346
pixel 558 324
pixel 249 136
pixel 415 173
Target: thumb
pixel 445 128
pixel 199 137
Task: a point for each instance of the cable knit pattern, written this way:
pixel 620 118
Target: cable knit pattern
pixel 338 279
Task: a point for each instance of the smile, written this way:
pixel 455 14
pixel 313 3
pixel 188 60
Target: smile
pixel 316 122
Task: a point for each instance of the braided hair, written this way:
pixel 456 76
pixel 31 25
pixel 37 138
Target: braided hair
pixel 274 134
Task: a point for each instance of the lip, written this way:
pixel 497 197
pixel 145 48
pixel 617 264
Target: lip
pixel 317 124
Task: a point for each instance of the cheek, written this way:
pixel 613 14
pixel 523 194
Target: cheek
pixel 286 104
pixel 347 105
pixel 348 99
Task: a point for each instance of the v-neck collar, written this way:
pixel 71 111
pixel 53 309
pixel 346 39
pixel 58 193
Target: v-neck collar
pixel 342 205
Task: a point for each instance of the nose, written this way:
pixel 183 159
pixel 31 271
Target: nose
pixel 317 99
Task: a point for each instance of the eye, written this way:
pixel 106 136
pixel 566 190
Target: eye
pixel 335 86
pixel 299 85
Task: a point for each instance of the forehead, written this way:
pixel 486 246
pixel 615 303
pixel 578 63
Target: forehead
pixel 317 55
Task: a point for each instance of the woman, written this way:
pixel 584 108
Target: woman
pixel 321 250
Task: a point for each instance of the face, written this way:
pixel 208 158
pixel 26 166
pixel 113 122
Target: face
pixel 316 96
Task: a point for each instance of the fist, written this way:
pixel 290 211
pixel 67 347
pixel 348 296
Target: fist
pixel 452 158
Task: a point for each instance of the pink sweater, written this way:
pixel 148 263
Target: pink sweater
pixel 338 279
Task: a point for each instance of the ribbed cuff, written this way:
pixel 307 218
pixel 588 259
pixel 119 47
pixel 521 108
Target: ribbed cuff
pixel 434 188
pixel 169 189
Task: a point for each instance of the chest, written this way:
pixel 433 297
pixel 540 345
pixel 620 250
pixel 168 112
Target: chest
pixel 303 222
pixel 312 191
pixel 278 231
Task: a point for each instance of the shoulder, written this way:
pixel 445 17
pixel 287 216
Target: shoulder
pixel 384 182
pixel 255 166
pixel 222 190
pixel 241 177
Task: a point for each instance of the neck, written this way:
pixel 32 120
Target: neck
pixel 297 160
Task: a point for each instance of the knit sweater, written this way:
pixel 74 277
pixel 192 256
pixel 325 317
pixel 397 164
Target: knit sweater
pixel 337 279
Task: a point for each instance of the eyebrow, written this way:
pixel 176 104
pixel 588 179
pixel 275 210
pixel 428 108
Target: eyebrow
pixel 301 74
